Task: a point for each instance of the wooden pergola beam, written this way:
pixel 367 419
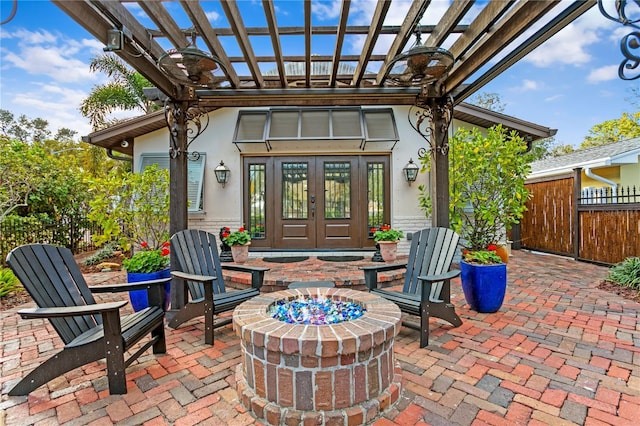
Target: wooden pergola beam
pixel 201 23
pixel 342 26
pixel 234 17
pixel 414 14
pixel 270 14
pixel 97 22
pixel 515 22
pixel 382 7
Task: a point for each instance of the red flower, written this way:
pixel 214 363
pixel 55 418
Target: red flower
pixel 492 247
pixel 225 234
pixel 385 227
pixel 166 244
pixel 165 252
pixel 374 229
pixel 241 229
pixel 226 228
pixel 144 244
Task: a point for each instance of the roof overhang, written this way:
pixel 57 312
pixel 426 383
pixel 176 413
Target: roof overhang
pixel 113 137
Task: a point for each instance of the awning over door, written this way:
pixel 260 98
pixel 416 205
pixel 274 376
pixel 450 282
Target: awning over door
pixel 312 128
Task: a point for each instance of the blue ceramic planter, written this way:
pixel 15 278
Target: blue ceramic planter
pixel 139 299
pixel 484 286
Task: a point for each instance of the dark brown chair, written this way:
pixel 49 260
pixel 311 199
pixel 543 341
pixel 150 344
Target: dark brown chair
pixel 199 266
pixel 89 330
pixel 426 292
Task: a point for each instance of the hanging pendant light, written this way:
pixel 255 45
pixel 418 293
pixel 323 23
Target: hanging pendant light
pixel 420 65
pixel 192 66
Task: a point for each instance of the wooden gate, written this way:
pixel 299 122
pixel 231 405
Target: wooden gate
pixel 602 229
pixel 547 225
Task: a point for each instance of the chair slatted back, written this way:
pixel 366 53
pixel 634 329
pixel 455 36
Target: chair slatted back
pixel 197 253
pixel 53 279
pixel 432 251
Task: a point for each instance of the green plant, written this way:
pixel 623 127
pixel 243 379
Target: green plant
pixel 482 257
pixel 9 284
pixel 105 252
pixel 487 193
pixel 236 238
pixel 386 233
pixel 148 260
pixel 132 208
pixel 626 273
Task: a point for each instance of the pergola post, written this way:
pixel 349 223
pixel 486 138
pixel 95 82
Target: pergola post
pixel 176 114
pixel 442 111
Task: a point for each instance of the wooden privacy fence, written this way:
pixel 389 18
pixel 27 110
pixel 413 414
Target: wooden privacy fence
pixel 597 226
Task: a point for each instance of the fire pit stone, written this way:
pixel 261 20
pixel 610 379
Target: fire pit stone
pixel 311 373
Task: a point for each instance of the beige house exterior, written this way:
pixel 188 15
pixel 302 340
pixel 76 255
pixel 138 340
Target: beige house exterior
pixel 218 206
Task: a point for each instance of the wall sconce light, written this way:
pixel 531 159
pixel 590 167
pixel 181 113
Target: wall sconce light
pixel 411 171
pixel 222 173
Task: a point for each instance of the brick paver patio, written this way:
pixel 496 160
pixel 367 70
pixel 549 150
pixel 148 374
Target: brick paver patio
pixel 560 351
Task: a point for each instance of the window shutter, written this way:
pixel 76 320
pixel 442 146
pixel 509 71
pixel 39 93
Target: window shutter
pixel 195 176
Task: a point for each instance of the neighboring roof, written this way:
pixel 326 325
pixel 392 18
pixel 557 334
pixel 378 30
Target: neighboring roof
pixel 113 137
pixel 624 152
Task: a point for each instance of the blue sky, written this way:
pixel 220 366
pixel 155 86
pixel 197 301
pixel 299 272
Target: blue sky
pixel 569 83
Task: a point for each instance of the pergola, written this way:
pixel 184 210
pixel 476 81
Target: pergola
pixel 259 66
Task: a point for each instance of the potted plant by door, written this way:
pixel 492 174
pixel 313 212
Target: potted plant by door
pixel 387 239
pixel 487 174
pixel 148 264
pixel 239 242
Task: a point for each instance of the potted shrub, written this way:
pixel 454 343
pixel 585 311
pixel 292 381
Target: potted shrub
pixel 487 174
pixel 387 239
pixel 148 264
pixel 239 242
pixel 132 209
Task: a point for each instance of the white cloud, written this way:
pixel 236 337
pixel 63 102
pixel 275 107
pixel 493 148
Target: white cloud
pixel 40 60
pixel 57 105
pixel 527 86
pixel 554 98
pixel 606 73
pixel 569 46
pixel 326 10
pixel 51 55
pixel 212 16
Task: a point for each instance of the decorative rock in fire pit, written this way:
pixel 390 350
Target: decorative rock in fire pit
pixel 339 372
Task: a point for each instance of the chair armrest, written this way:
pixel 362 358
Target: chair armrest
pixel 383 268
pixel 71 311
pixel 371 273
pixel 116 288
pixel 440 277
pixel 192 277
pixel 257 273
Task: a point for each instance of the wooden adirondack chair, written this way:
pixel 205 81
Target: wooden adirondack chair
pixel 199 266
pixel 426 291
pixel 89 330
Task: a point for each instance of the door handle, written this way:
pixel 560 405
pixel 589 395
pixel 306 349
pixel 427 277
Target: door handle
pixel 313 199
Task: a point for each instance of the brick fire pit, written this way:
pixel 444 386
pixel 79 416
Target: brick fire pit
pixel 317 374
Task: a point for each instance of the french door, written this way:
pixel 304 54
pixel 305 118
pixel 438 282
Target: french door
pixel 321 202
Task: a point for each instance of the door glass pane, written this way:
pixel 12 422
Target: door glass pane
pixel 257 191
pixel 337 190
pixel 294 191
pixel 375 196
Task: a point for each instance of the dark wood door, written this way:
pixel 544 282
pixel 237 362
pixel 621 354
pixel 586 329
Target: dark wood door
pixel 322 202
